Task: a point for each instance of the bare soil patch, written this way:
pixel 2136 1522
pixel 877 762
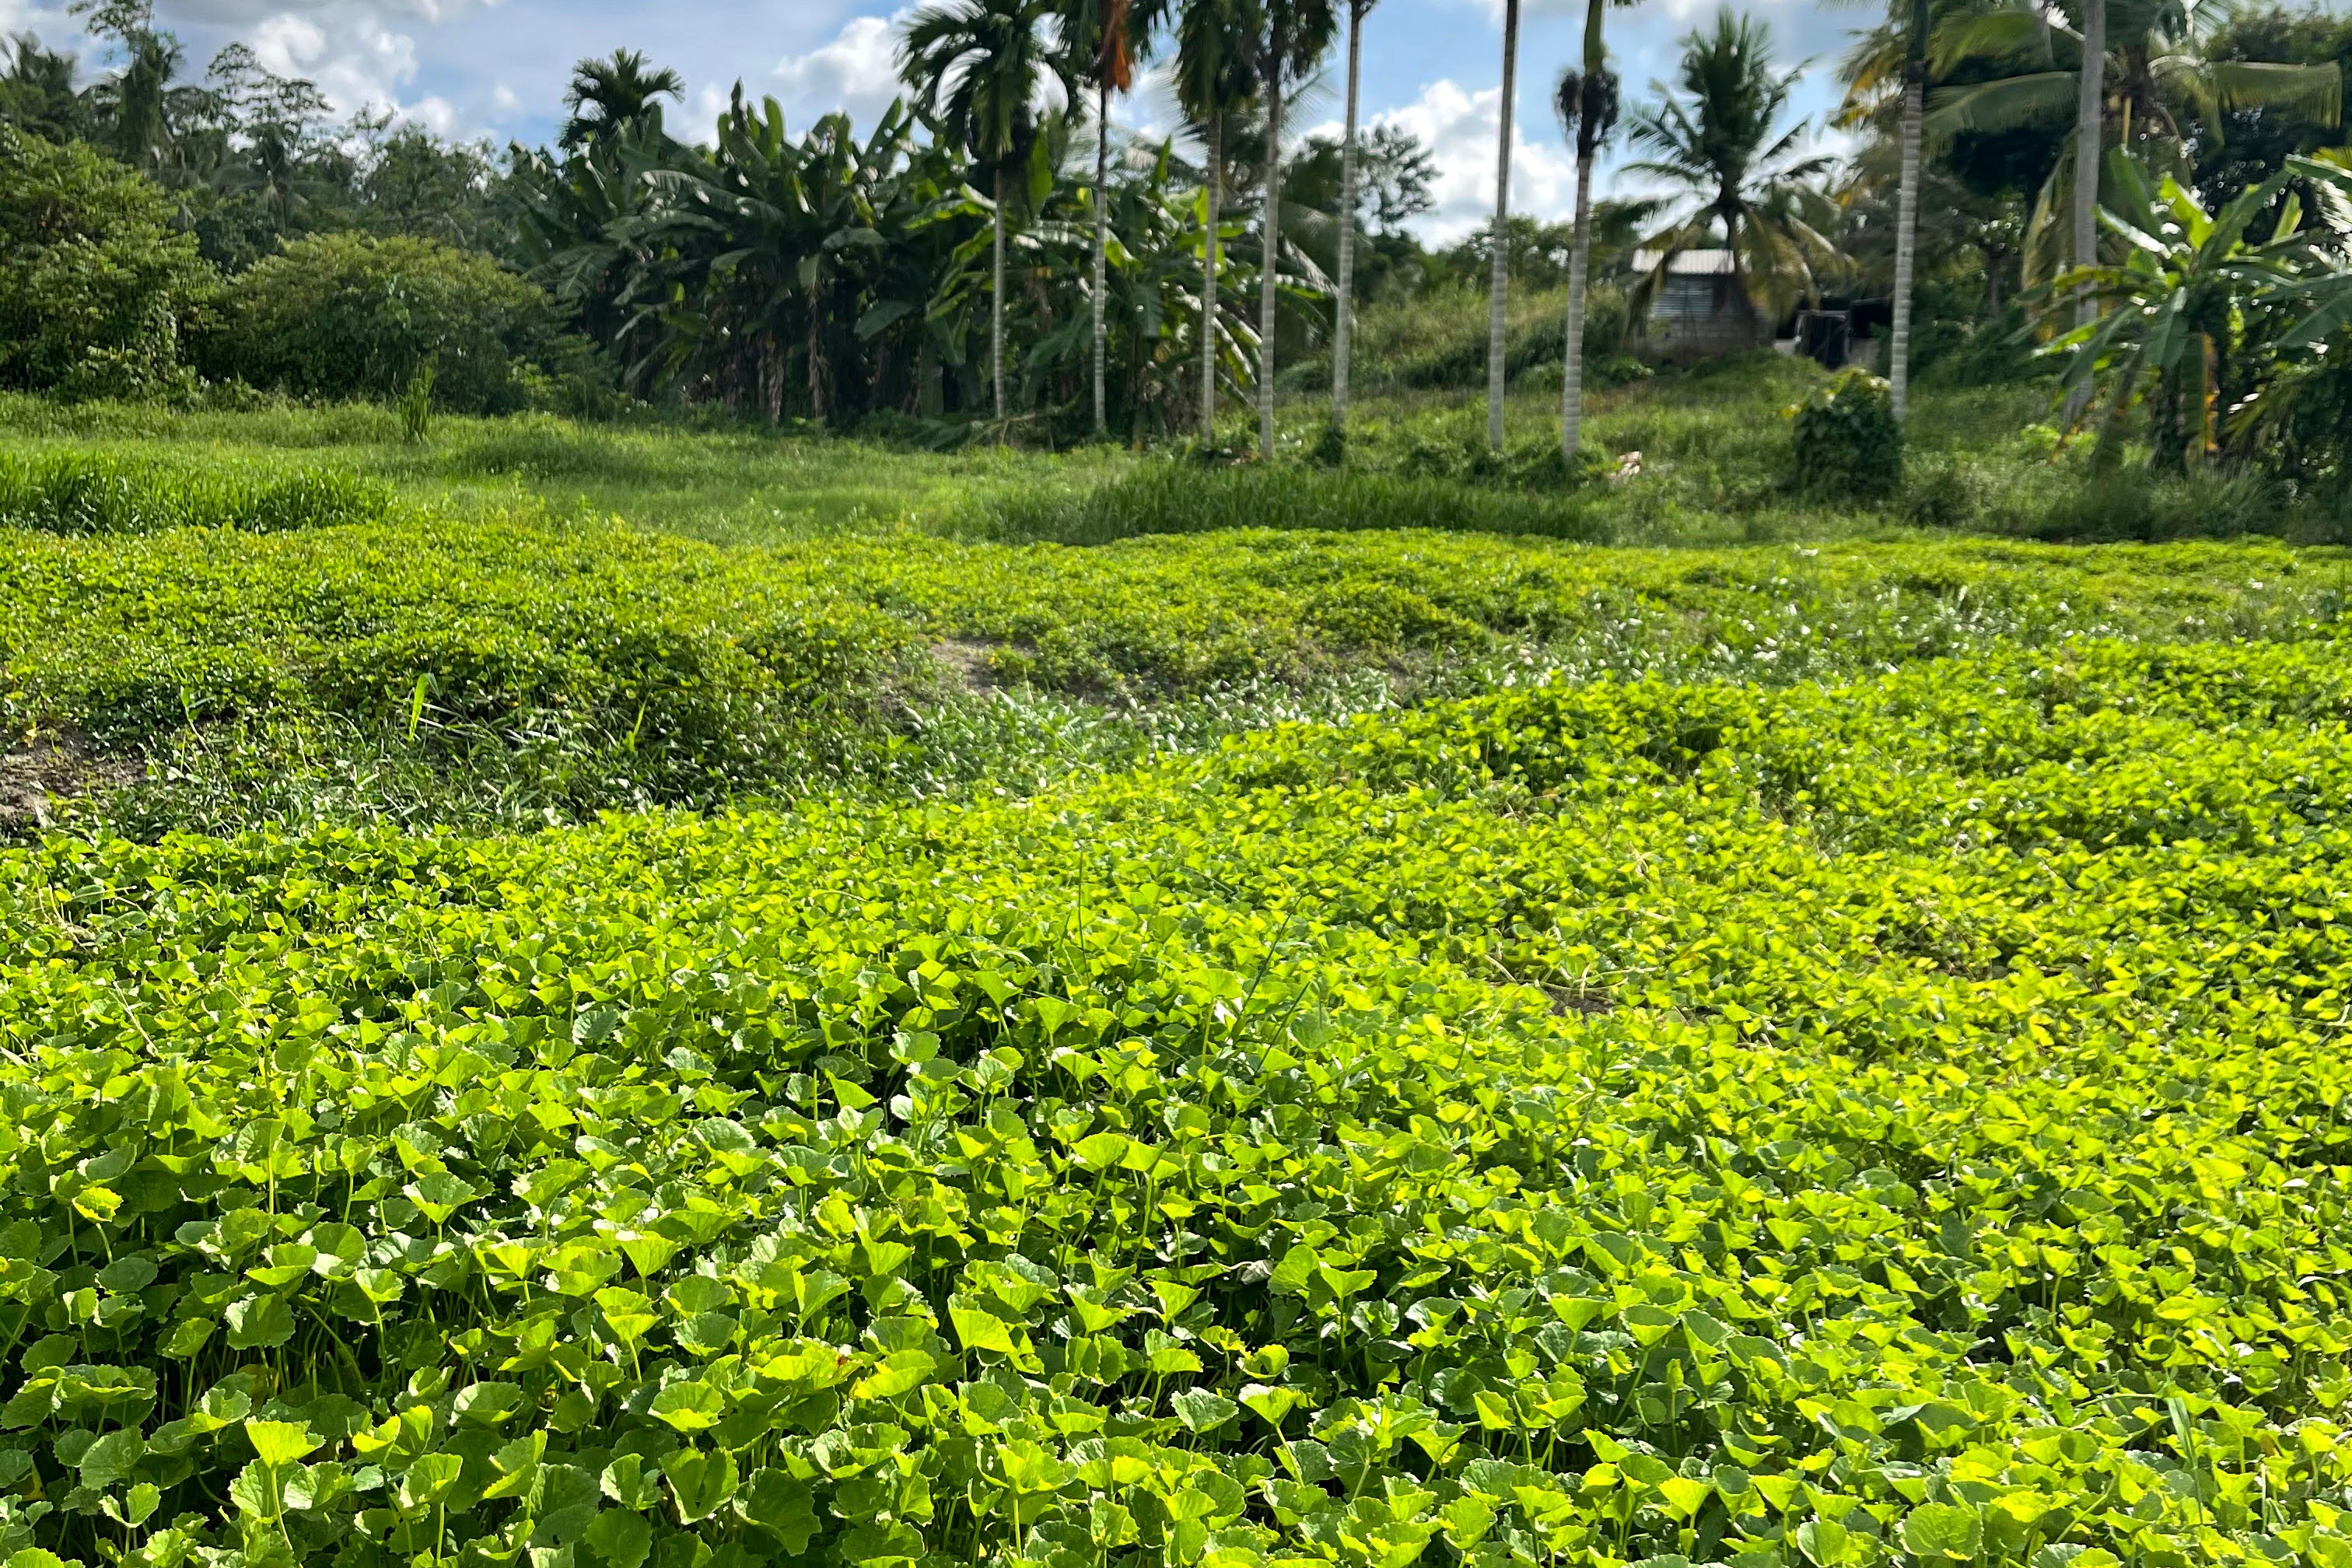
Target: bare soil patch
pixel 37 774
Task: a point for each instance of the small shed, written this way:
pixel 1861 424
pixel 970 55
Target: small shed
pixel 1697 311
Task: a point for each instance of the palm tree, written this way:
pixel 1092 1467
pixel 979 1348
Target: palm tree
pixel 1501 283
pixel 608 98
pixel 1294 36
pixel 1214 77
pixel 36 92
pixel 1891 54
pixel 1344 311
pixel 1105 38
pixel 1587 101
pixel 1719 139
pixel 979 68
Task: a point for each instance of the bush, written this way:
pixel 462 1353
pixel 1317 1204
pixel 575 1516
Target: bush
pixel 85 492
pixel 1846 441
pixel 343 315
pixel 96 291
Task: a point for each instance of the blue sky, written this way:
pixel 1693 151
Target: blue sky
pixel 497 68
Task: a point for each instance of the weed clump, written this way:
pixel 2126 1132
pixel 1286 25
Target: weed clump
pixel 1845 440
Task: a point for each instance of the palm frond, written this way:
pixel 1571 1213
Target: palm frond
pixel 2006 104
pixel 2314 90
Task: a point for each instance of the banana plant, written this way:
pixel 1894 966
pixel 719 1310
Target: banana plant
pixel 2148 71
pixel 2193 317
pixel 1153 270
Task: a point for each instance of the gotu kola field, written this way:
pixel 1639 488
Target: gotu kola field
pixel 672 927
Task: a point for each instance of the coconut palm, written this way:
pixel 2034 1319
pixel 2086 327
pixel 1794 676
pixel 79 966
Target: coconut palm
pixel 1500 283
pixel 1293 36
pixel 1587 101
pixel 1344 309
pixel 1215 76
pixel 609 97
pixel 1888 70
pixel 1717 136
pixel 980 69
pixel 2090 131
pixel 1104 38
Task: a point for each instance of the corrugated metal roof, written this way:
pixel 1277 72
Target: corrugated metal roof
pixel 1689 263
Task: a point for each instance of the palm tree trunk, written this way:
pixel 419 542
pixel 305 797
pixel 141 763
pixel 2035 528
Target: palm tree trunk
pixel 1906 207
pixel 1266 263
pixel 1211 191
pixel 1741 301
pixel 1588 132
pixel 1102 246
pixel 1906 240
pixel 1580 258
pixel 996 300
pixel 1344 311
pixel 815 360
pixel 1499 289
pixel 2090 110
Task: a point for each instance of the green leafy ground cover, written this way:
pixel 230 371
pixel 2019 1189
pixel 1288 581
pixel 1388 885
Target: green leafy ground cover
pixel 1893 1121
pixel 437 667
pixel 1246 1048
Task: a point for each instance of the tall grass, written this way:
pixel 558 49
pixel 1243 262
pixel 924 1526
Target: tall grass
pixel 1438 339
pixel 86 493
pixel 1175 497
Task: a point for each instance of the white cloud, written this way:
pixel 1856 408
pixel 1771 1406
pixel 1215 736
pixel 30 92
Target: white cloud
pixel 437 115
pixel 290 45
pixel 708 105
pixel 1459 129
pixel 357 60
pixel 857 72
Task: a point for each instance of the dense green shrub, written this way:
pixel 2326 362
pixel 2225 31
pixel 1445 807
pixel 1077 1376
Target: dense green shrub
pixel 101 492
pixel 343 315
pixel 1845 440
pixel 98 290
